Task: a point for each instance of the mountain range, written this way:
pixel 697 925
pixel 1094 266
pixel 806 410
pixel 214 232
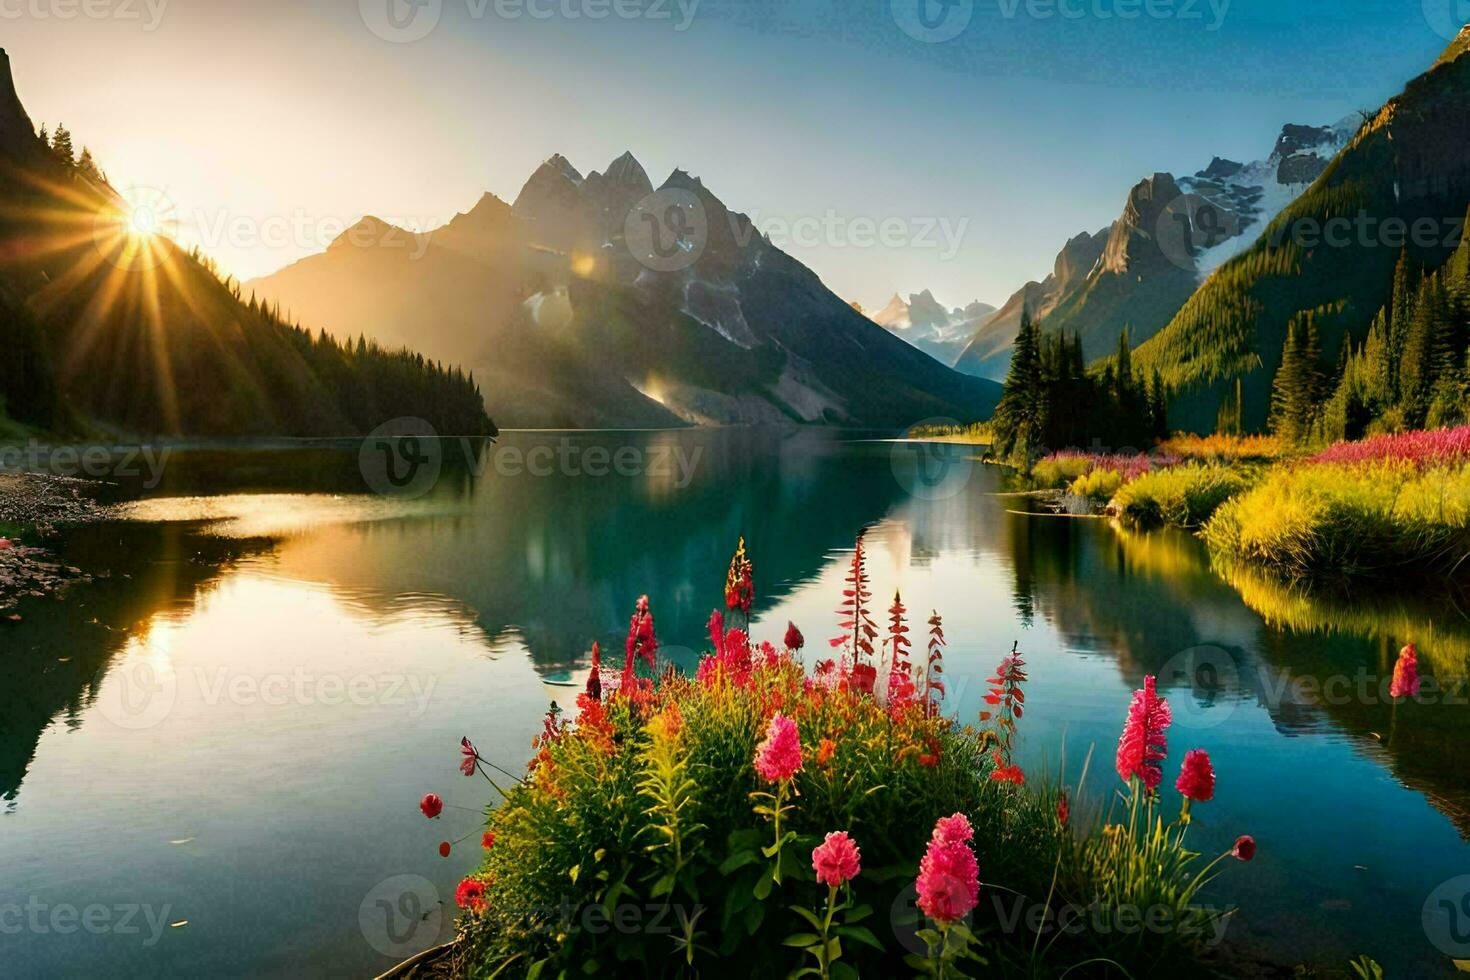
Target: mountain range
pixel 1138 272
pixel 600 300
pixel 923 322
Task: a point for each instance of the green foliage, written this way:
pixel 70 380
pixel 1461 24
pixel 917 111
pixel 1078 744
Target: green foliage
pixel 1386 521
pixel 1052 401
pixel 1183 496
pixel 1097 485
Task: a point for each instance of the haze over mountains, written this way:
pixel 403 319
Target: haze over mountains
pixel 596 300
pixel 925 323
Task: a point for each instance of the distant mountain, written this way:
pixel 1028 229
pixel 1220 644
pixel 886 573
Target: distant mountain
pixel 599 300
pixel 925 323
pixel 104 328
pixel 1138 272
pixel 1409 163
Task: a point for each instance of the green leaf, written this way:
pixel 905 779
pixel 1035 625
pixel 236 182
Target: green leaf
pixel 862 934
pixel 663 886
pixel 737 860
pixel 802 939
pixel 858 914
pixel 574 872
pixel 808 915
pixel 763 885
pixel 843 971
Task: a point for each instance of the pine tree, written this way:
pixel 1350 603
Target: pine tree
pixel 1289 390
pixel 61 147
pixel 87 166
pixel 1019 416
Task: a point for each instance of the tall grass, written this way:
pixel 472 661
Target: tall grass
pixel 1184 496
pixel 1226 448
pixel 1421 448
pixel 1380 520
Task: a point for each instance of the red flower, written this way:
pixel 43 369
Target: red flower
pixel 825 750
pixel 1196 777
pixel 594 676
pixel 471 757
pixel 1406 674
pixel 949 876
pixel 717 631
pixel 1143 741
pixel 1244 849
pixel 1063 810
pixel 470 895
pixel 431 805
pixel 779 756
pixel 488 841
pixel 794 639
pixel 444 848
pixel 836 860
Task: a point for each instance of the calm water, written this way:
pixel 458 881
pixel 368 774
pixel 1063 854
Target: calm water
pixel 210 760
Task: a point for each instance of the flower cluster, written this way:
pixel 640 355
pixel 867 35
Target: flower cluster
pixel 1418 448
pixel 949 876
pixel 1143 743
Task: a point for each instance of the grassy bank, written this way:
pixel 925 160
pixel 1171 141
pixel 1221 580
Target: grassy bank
pixel 1389 509
pixel 765 819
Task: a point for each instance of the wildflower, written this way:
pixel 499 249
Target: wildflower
pixel 488 841
pixel 717 631
pixel 949 877
pixel 794 639
pixel 779 756
pixel 1143 741
pixel 444 848
pixel 825 750
pixel 1244 849
pixel 1406 674
pixel 641 644
pixel 470 895
pixel 5 544
pixel 1008 774
pixel 431 805
pixel 739 584
pixel 836 860
pixel 471 757
pixel 1196 777
pixel 955 829
pixel 1063 809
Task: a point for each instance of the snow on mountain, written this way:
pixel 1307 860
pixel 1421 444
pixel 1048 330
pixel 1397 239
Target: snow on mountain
pixel 923 322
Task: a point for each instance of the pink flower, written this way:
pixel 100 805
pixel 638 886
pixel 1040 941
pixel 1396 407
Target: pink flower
pixel 431 805
pixel 5 544
pixel 949 877
pixel 794 639
pixel 717 631
pixel 1196 777
pixel 1245 848
pixel 1406 674
pixel 470 895
pixel 836 860
pixel 779 756
pixel 1143 741
pixel 954 830
pixel 467 750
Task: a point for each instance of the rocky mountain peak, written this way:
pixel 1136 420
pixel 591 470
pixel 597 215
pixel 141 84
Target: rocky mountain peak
pixel 1221 169
pixel 17 133
pixel 369 232
pixel 626 171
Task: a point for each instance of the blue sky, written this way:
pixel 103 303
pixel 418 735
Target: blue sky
pixel 990 139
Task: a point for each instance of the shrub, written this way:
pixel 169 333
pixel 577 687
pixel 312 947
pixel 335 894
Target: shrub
pixel 1420 448
pixel 1098 485
pixel 760 815
pixel 1225 448
pixel 1375 520
pixel 1185 496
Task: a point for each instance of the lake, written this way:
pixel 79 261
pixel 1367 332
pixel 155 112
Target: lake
pixel 211 758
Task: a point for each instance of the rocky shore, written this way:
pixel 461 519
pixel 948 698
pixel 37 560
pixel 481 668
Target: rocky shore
pixel 32 506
